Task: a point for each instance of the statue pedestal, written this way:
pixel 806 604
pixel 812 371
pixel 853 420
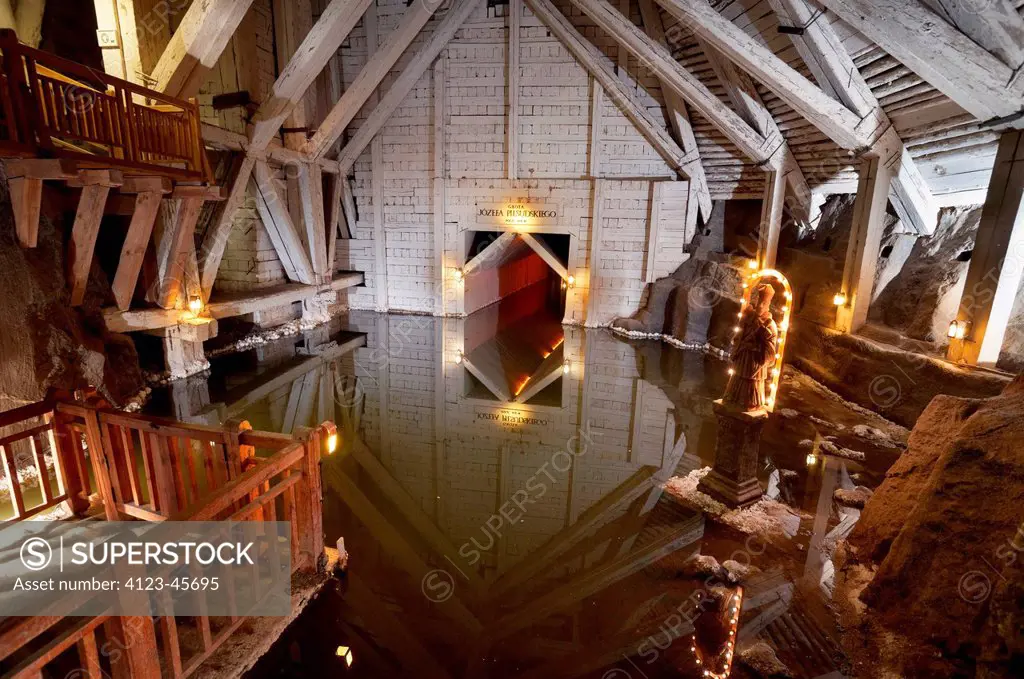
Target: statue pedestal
pixel 733 479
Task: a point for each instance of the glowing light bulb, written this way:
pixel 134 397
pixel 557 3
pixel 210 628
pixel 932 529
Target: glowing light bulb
pixel 458 275
pixel 812 460
pixel 731 372
pixel 571 280
pixel 458 358
pixel 565 367
pixel 752 265
pixel 839 299
pixel 195 305
pixel 332 443
pixel 736 329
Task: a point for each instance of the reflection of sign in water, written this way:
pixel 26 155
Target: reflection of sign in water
pixel 517 214
pixel 510 417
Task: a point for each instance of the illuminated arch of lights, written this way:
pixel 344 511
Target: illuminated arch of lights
pixel 749 285
pixel 726 657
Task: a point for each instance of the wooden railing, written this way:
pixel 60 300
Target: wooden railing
pixel 53 106
pixel 130 467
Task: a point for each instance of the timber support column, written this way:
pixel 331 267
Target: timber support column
pixel 877 170
pixel 771 218
pixel 994 275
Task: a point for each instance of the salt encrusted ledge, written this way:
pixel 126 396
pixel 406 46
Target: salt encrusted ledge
pixel 706 347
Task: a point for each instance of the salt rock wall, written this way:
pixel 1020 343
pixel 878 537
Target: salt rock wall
pixel 944 531
pixel 44 342
pixel 922 297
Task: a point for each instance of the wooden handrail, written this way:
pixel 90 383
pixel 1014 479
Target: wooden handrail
pixel 289 476
pixel 58 107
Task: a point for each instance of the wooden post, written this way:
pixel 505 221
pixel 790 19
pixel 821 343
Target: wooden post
pixel 771 218
pixel 134 639
pixel 147 206
pixel 26 199
pixel 86 229
pixel 65 464
pixel 997 262
pixel 862 252
pixel 100 464
pixel 309 498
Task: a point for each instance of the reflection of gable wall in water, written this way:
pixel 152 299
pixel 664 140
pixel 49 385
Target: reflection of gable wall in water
pixel 458 453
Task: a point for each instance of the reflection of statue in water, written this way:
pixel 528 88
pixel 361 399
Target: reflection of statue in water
pixel 754 353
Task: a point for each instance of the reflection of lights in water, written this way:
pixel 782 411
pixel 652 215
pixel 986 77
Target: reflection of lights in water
pixel 521 386
pixel 725 659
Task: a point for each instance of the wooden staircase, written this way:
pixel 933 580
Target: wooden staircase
pixel 110 465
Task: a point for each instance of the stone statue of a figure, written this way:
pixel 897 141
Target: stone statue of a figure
pixel 754 353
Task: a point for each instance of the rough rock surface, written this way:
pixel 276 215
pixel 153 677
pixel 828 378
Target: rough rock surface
pixel 697 303
pixel 762 661
pixel 45 342
pixel 944 531
pixel 923 298
pixel 852 497
pixel 895 383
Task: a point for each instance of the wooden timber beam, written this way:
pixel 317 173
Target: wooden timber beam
pixel 370 77
pixel 994 274
pixel 149 194
pixel 311 195
pixel 136 320
pixel 745 99
pixel 336 193
pixel 599 66
pixel 28 19
pixel 943 56
pixel 822 50
pixel 216 239
pixel 218 138
pixel 96 185
pixel 293 20
pixel 277 219
pixel 749 141
pixel 334 25
pixel 996 25
pixel 404 83
pixel 877 171
pixel 679 117
pixel 175 247
pixel 117 30
pixel 25 180
pixel 7 15
pixel 197 44
pixel 834 119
